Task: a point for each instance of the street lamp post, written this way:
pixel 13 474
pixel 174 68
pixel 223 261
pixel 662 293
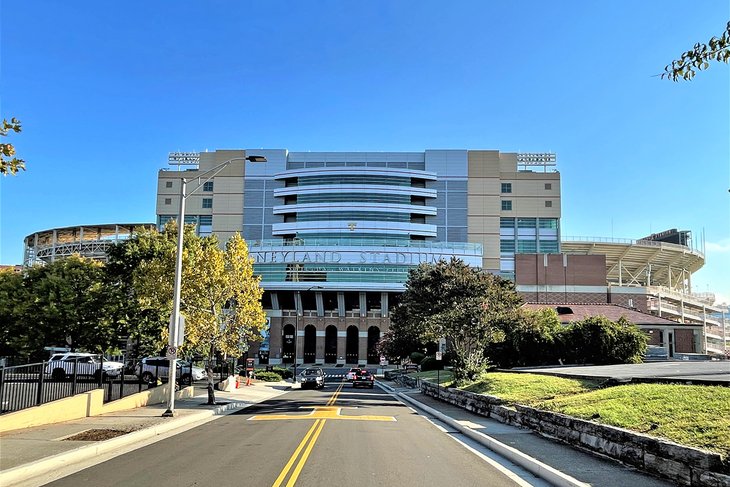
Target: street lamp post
pixel 174 339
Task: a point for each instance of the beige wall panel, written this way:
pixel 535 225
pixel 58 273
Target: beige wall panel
pixel 227 223
pixel 483 163
pixel 480 225
pixel 209 160
pixel 533 207
pixel 232 203
pixel 483 186
pixel 491 265
pixel 171 209
pixel 228 185
pixel 483 205
pixel 508 162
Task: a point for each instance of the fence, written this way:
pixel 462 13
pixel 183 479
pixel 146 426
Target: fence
pixel 29 385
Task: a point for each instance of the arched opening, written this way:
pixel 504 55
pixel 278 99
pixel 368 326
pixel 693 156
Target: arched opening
pixel 288 344
pixel 373 339
pixel 310 344
pixel 352 355
pixel 330 345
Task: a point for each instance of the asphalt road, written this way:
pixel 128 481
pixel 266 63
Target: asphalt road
pixel 329 437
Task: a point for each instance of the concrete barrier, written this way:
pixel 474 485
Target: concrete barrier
pixel 82 405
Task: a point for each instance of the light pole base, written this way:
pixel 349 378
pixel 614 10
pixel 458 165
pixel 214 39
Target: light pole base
pixel 169 414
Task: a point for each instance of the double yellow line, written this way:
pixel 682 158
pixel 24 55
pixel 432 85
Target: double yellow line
pixel 306 444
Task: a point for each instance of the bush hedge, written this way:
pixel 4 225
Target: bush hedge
pixel 538 338
pixel 268 376
pixel 430 363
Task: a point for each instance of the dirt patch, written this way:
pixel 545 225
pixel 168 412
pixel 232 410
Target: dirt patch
pixel 96 435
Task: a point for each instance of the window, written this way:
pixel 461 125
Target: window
pixel 168 201
pixel 548 186
pixel 208 186
pixel 506 205
pixel 506 187
pixel 507 246
pixel 168 184
pixel 207 202
pixel 548 204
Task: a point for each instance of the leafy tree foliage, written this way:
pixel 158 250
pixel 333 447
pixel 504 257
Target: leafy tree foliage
pixel 58 304
pixel 7 151
pixel 598 340
pixel 13 302
pixel 467 306
pixel 535 338
pixel 685 68
pixel 220 297
pixel 538 338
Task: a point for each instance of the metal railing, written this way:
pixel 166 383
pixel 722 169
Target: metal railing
pixel 25 386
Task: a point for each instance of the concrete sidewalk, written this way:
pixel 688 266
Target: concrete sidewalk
pixel 38 455
pixel 34 456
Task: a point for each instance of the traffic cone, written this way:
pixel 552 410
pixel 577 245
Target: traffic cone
pixel 238 383
pixel 248 380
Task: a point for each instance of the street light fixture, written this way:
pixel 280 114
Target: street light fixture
pixel 174 339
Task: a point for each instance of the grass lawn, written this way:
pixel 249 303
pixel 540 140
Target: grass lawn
pixel 528 389
pixel 697 416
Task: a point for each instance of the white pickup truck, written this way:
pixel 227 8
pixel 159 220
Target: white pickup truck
pixel 63 365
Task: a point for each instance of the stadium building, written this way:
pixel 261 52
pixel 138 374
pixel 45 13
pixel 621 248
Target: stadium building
pixel 333 234
pixel 90 241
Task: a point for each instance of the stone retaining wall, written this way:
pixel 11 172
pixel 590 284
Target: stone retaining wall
pixel 681 464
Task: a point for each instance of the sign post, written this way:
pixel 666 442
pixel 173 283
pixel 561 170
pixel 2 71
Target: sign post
pixel 439 358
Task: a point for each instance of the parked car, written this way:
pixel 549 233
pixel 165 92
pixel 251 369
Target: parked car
pixel 152 368
pixel 312 377
pixel 363 378
pixel 63 365
pixel 351 374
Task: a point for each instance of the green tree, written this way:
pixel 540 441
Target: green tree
pixel 467 306
pixel 697 59
pixel 220 297
pixel 7 151
pixel 598 340
pixel 534 338
pixel 65 304
pixel 13 302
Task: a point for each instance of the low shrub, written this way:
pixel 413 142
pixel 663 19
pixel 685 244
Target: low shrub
pixel 416 357
pixel 284 372
pixel 268 376
pixel 430 363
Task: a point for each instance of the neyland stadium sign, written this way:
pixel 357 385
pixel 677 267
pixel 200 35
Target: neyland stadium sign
pixel 355 257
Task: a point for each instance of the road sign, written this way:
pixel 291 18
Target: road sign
pixel 439 356
pixel 383 361
pixel 442 345
pixel 171 352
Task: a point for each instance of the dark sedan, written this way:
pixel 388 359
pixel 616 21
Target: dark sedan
pixel 312 377
pixel 363 378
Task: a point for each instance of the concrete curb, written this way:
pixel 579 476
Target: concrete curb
pixel 41 467
pixel 530 464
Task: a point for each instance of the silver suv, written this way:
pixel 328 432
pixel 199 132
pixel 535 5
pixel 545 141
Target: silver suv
pixel 151 368
pixel 63 365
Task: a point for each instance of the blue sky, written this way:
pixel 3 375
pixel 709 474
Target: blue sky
pixel 106 89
